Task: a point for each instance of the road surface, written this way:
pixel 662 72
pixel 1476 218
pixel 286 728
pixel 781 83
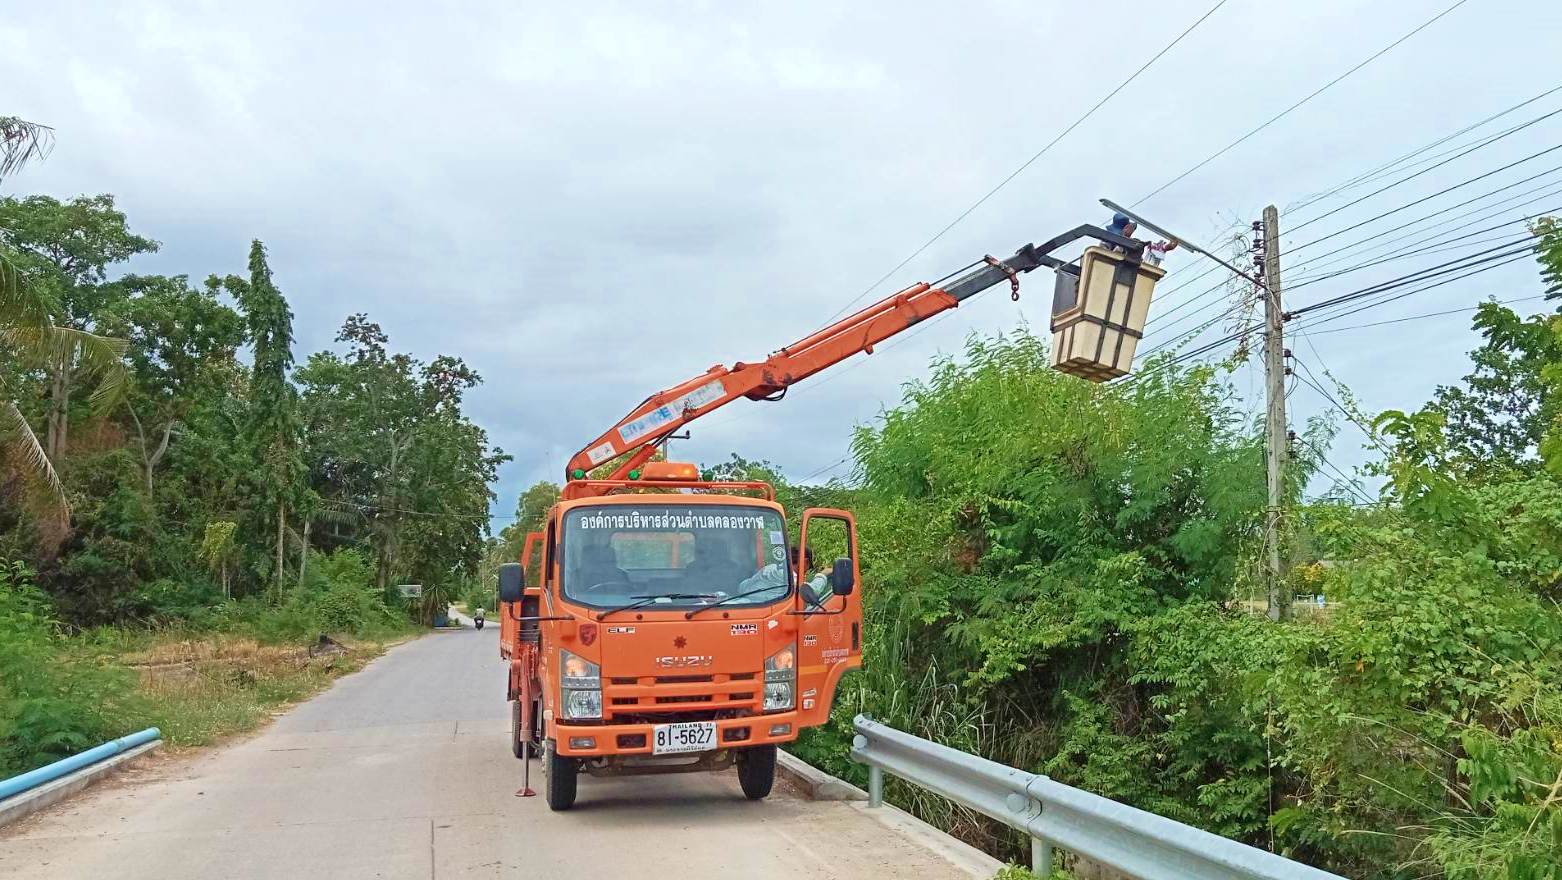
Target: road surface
pixel 404 771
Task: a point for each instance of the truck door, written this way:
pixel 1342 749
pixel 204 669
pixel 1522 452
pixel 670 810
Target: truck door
pixel 509 627
pixel 830 633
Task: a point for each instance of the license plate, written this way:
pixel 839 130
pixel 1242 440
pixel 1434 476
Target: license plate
pixel 684 736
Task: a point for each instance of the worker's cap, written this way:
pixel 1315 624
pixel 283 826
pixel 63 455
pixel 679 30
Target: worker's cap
pixel 1120 220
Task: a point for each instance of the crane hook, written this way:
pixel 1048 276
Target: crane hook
pixel 1014 277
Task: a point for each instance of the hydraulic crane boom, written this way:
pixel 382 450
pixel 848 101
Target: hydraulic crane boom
pixel 666 411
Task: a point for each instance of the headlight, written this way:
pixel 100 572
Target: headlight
pixel 778 695
pixel 780 678
pixel 581 686
pixel 583 704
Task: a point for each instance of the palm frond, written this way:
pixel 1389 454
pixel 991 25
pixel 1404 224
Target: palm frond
pixel 338 515
pixel 21 303
pixel 22 142
pixel 100 357
pixel 20 445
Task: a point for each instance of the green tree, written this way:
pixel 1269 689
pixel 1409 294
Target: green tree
pixel 217 549
pixel 32 338
pixel 62 251
pixel 390 442
pixel 1497 415
pixel 1549 230
pixel 531 509
pixel 182 348
pixel 274 425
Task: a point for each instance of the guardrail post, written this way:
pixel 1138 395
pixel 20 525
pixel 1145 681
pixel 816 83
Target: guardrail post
pixel 875 787
pixel 1041 858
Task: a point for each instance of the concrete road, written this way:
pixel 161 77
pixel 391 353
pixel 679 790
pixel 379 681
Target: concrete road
pixel 404 771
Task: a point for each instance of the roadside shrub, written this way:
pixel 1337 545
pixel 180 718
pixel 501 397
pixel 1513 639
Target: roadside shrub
pixel 51 706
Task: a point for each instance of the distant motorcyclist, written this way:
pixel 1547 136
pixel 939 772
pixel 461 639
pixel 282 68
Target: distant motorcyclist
pixel 477 618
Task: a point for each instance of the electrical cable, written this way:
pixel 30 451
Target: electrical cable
pixel 1310 380
pixel 1453 266
pixel 1287 111
pixel 1162 315
pixel 1369 176
pixel 1028 162
pixel 826 469
pixel 1505 241
pixel 1351 484
pixel 1314 266
pixel 1489 141
pixel 1426 198
pixel 1306 333
pixel 1398 296
pixel 1378 237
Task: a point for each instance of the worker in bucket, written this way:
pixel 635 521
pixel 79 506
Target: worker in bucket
pixel 1154 254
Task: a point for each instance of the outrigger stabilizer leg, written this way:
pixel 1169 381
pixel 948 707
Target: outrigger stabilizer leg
pixel 526 771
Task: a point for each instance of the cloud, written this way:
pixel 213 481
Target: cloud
pixel 593 203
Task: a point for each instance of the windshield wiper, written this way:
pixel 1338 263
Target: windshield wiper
pixel 642 601
pixel 689 615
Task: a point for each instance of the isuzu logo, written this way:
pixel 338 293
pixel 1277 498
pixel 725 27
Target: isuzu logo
pixel 689 662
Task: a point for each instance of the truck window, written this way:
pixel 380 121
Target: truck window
pixel 614 555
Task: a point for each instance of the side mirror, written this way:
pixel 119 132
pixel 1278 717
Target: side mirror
pixel 512 582
pixel 841 578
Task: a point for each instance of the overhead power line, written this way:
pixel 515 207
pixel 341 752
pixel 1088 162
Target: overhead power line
pixel 1388 167
pixel 1444 237
pixel 1502 241
pixel 1287 111
pixel 1162 315
pixel 1404 318
pixel 1032 160
pixel 826 469
pixel 1447 268
pixel 1430 168
pixel 1387 291
pixel 1428 198
pixel 1490 264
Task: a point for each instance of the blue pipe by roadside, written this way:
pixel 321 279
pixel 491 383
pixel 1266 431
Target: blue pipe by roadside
pixel 34 778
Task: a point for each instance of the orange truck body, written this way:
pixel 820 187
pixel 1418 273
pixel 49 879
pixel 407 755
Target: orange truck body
pixel 660 667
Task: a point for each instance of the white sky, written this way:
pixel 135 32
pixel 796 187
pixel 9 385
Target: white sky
pixel 590 204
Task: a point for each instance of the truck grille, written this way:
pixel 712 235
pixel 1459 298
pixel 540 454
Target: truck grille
pixel 681 693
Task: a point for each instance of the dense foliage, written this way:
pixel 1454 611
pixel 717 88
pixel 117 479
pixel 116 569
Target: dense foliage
pixel 162 463
pixel 219 471
pixel 1062 577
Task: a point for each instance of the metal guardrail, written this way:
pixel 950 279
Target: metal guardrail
pixel 1140 844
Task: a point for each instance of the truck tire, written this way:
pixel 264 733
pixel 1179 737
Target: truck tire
pixel 561 772
pixel 757 771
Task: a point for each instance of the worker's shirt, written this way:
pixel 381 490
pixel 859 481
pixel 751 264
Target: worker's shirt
pixel 774 575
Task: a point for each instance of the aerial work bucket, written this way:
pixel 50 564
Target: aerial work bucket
pixel 1098 315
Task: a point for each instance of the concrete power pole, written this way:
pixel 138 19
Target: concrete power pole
pixel 1276 432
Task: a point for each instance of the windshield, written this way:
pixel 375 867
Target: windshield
pixel 622 554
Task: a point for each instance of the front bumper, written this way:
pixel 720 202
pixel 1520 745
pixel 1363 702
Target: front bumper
pixel 637 739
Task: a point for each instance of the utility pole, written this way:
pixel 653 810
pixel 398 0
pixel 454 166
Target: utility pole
pixel 1276 433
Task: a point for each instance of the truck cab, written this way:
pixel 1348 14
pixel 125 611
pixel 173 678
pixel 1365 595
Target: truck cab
pixel 673 625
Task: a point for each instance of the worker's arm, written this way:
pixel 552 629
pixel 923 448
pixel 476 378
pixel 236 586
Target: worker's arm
pixel 667 411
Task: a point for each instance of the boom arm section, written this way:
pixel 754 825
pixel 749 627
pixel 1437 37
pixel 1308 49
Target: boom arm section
pixel 667 411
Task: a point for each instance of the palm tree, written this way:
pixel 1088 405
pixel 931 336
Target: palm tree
pixel 28 334
pixel 22 142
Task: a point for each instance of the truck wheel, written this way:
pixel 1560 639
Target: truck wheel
pixel 561 773
pixel 757 771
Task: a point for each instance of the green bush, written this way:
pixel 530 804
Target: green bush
pixel 51 705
